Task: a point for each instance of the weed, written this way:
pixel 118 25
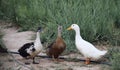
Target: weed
pixel 97 19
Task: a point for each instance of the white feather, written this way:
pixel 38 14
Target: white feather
pixel 37 45
pixel 86 48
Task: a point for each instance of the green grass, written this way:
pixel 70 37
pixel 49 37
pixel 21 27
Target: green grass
pixel 114 58
pixel 98 19
pixel 116 61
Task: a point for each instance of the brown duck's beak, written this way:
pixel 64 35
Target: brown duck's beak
pixel 69 28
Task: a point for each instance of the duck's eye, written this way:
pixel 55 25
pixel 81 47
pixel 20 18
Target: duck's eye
pixel 60 28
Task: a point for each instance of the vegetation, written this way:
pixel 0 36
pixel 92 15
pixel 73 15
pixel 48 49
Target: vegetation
pixel 114 58
pixel 99 20
pixel 115 61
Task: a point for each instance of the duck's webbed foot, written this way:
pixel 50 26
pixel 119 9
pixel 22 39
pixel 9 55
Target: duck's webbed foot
pixel 87 61
pixel 56 59
pixel 34 62
pixel 60 60
pixel 27 63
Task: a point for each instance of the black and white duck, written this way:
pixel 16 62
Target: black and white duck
pixel 32 49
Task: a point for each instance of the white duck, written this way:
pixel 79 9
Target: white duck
pixel 86 49
pixel 30 50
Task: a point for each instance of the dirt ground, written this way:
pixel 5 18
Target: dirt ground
pixel 14 40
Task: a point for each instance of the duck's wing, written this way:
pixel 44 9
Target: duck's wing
pixel 24 50
pixel 25 46
pixel 50 46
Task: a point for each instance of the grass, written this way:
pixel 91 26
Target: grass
pixel 115 61
pixel 113 56
pixel 99 20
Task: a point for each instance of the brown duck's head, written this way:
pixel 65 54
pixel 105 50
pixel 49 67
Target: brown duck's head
pixel 59 28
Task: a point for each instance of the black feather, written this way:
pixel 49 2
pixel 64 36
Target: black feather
pixel 22 51
pixel 33 49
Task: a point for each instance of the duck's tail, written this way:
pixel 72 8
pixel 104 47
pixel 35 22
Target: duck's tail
pixel 103 53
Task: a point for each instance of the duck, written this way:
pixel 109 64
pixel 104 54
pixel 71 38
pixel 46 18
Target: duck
pixel 88 50
pixel 32 49
pixel 56 48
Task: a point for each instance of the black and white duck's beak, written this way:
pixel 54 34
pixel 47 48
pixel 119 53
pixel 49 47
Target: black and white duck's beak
pixel 39 29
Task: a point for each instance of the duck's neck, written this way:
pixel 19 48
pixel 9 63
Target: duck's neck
pixel 59 34
pixel 37 41
pixel 77 36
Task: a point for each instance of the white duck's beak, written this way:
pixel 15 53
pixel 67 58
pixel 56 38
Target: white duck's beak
pixel 69 28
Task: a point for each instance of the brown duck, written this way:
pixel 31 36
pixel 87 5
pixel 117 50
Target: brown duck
pixel 56 47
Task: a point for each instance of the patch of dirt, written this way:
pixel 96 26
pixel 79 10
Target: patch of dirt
pixel 14 40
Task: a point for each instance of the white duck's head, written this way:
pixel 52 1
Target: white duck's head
pixel 77 30
pixel 74 27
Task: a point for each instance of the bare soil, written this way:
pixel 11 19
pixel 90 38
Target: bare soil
pixel 14 40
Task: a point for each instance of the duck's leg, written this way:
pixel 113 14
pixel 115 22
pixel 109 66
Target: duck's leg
pixel 53 58
pixel 56 59
pixel 34 62
pixel 87 61
pixel 27 62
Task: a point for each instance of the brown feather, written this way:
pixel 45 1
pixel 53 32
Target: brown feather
pixel 56 48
